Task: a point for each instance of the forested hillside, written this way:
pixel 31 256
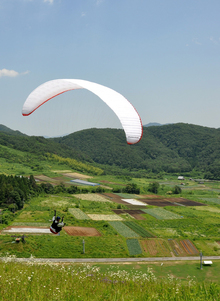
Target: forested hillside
pixel 108 146
pixel 169 148
pixel 38 145
pixel 173 148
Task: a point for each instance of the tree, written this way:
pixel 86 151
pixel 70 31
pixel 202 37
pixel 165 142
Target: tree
pixel 72 189
pixel 131 188
pixel 154 187
pixel 47 187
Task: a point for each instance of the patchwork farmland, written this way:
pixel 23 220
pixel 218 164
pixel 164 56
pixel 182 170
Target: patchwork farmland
pixel 126 224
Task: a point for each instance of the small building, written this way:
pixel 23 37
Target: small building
pixel 181 178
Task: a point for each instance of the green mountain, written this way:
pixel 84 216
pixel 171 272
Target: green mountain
pixel 173 148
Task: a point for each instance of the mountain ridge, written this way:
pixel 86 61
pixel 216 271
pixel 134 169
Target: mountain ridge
pixel 171 148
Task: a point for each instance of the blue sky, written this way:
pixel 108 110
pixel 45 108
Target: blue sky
pixel 162 55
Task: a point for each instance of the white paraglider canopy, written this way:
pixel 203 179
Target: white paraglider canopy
pixel 127 114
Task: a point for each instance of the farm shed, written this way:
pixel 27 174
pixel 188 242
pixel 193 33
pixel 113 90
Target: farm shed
pixel 181 178
pixel 78 181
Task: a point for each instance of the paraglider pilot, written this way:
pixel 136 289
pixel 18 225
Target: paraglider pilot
pixel 57 224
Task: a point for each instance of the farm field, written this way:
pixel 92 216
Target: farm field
pixel 166 225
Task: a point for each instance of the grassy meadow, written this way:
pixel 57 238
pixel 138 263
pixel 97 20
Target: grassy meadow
pixel 32 281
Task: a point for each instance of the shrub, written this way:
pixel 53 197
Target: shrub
pixel 177 190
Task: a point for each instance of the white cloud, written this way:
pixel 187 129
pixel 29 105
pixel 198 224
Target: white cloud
pixel 50 1
pixel 83 14
pixel 11 73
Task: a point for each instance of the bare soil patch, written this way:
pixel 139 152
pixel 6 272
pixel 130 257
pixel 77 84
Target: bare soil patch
pixel 114 198
pixel 135 207
pixel 158 202
pixel 26 229
pixel 81 231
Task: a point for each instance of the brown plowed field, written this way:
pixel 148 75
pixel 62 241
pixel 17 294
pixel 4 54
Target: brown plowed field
pixel 158 202
pixel 135 207
pixel 81 231
pixel 183 247
pixel 114 198
pixel 154 200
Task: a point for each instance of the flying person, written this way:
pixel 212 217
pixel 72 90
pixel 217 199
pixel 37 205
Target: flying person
pixel 57 224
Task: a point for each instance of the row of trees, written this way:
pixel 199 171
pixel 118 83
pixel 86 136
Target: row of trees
pixel 15 191
pixel 154 188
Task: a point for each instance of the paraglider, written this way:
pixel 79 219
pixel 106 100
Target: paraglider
pixel 127 114
pixel 57 225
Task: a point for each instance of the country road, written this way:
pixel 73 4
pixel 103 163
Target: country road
pixel 114 260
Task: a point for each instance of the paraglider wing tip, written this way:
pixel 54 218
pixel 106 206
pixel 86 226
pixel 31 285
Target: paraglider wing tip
pixel 131 143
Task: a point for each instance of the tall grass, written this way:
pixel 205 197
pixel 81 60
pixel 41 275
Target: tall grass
pixel 34 281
